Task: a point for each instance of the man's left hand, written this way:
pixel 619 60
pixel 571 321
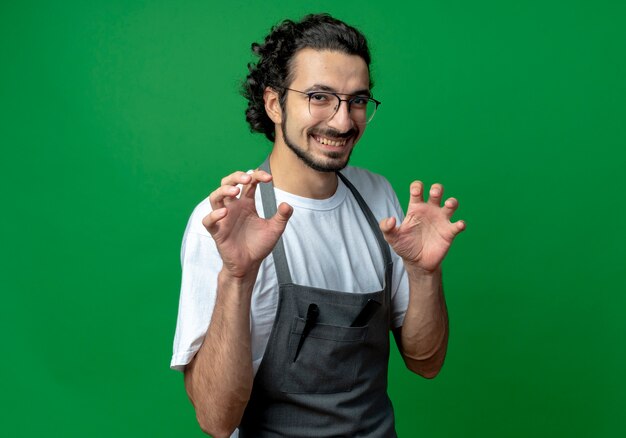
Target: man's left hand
pixel 425 235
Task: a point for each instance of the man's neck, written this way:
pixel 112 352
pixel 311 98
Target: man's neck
pixel 292 175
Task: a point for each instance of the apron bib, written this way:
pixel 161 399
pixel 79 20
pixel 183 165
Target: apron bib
pixel 323 374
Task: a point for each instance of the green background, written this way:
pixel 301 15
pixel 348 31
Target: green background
pixel 118 117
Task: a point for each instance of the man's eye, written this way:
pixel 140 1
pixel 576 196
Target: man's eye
pixel 360 100
pixel 319 97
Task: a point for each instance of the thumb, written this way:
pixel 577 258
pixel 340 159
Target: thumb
pixel 388 227
pixel 283 213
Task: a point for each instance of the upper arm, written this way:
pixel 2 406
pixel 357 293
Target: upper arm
pixel 201 264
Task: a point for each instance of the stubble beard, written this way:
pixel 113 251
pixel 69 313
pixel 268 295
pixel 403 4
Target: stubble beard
pixel 309 159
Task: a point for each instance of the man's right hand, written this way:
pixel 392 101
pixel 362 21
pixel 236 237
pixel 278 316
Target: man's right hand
pixel 243 239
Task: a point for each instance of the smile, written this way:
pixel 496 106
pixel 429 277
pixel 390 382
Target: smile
pixel 329 142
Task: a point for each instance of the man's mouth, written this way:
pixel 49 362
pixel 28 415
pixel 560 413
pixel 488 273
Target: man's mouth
pixel 330 142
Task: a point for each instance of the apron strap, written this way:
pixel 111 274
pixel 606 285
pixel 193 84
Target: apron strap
pixel 382 243
pixel 269 209
pixel 371 219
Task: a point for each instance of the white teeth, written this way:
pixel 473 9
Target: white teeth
pixel 330 142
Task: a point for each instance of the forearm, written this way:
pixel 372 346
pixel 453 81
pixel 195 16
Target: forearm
pixel 424 335
pixel 219 379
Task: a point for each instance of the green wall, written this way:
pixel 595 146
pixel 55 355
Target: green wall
pixel 119 116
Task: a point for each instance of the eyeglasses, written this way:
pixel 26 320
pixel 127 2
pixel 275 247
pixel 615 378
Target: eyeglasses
pixel 324 105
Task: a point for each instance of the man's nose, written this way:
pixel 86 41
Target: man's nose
pixel 341 120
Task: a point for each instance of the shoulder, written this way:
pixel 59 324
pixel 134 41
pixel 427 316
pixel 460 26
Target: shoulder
pixel 376 191
pixel 195 220
pixel 369 184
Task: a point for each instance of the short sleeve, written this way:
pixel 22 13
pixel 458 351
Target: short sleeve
pixel 200 264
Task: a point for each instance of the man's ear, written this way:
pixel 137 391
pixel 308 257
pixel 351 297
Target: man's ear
pixel 272 105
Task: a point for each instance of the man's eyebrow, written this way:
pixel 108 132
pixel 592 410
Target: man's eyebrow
pixel 322 87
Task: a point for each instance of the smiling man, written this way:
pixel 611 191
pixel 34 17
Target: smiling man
pixel 295 273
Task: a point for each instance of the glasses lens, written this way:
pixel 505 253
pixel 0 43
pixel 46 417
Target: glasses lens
pixel 370 110
pixel 324 105
pixel 362 109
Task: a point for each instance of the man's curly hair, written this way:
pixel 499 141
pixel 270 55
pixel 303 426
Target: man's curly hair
pixel 276 53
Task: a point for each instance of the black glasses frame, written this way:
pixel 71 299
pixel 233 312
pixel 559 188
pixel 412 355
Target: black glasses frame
pixel 349 101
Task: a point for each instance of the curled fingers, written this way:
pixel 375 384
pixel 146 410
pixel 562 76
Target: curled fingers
pixel 220 196
pixel 416 192
pixel 435 194
pixel 449 207
pixel 210 221
pixel 228 190
pixel 256 177
pixel 231 186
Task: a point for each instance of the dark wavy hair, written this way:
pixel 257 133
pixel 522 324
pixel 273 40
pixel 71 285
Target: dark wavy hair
pixel 273 68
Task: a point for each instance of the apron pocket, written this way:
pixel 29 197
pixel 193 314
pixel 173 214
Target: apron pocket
pixel 327 360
